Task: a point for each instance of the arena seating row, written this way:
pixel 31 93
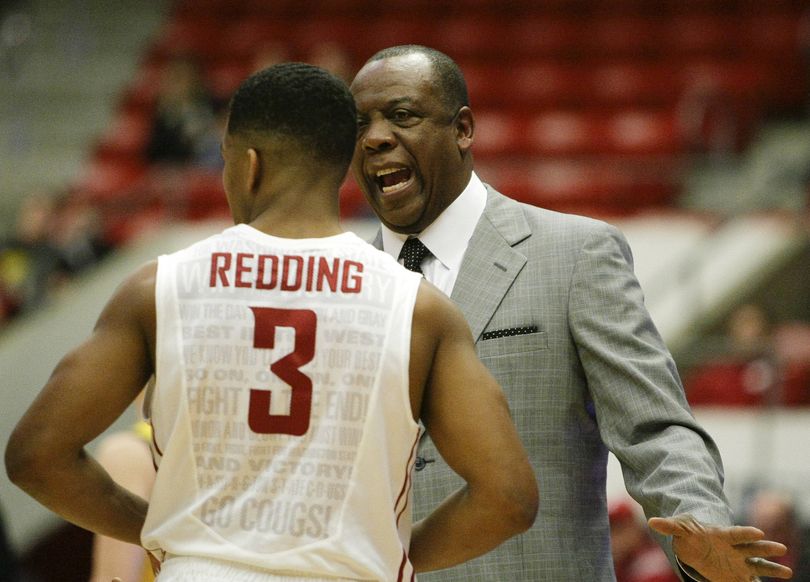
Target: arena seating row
pixel 538 84
pixel 735 383
pixel 372 9
pixel 767 35
pixel 592 106
pixel 498 133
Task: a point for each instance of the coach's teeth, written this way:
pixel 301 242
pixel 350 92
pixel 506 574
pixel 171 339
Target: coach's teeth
pixel 391 179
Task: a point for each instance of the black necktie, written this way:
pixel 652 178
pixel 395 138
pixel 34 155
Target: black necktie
pixel 413 253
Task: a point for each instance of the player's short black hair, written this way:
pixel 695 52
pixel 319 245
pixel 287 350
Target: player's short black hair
pixel 302 103
pixel 447 73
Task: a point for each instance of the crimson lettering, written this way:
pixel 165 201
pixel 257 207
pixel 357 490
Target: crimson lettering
pixel 285 273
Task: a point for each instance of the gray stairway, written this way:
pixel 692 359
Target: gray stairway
pixel 63 65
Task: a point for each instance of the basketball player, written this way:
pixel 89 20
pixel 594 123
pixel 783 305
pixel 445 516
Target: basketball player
pixel 292 363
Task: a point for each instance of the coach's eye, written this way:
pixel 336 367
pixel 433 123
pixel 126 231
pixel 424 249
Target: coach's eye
pixel 402 115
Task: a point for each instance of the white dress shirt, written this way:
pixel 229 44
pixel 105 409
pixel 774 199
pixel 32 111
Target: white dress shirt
pixel 447 237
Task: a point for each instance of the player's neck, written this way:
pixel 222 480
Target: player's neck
pixel 309 224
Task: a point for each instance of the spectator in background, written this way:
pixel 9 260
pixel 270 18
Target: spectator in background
pixel 184 115
pixel 6 306
pixel 77 236
pixel 775 514
pixel 4 315
pixel 749 331
pixel 750 336
pixel 334 58
pixel 209 156
pixel 8 560
pixel 29 262
pixel 748 370
pixel 636 557
pixel 270 53
pixel 792 344
pixel 53 239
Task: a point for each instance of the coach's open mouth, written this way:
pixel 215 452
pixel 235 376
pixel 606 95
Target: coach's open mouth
pixel 391 180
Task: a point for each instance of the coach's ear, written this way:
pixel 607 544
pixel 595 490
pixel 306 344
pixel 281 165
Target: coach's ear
pixel 254 176
pixel 465 129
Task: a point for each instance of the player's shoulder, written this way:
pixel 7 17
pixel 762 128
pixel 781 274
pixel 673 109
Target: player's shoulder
pixel 435 311
pixel 140 282
pixel 226 238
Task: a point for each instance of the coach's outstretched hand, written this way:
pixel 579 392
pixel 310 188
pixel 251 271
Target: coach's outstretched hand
pixel 722 554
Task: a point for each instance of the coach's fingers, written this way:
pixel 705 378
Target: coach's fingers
pixel 762 549
pixel 742 534
pixel 677 525
pixel 763 567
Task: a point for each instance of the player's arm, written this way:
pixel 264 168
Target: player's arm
pixel 86 393
pixel 467 416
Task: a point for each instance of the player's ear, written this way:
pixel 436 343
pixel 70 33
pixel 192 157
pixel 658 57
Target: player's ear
pixel 254 173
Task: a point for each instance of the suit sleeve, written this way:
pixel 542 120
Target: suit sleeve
pixel 670 464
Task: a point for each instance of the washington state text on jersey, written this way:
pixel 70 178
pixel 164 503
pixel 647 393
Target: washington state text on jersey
pixel 285 272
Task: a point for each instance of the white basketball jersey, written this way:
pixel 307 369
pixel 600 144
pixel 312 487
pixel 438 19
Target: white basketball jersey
pixel 282 422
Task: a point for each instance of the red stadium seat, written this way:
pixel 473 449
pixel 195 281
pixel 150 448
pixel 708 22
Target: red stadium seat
pixel 547 84
pixel 729 383
pixel 565 133
pixel 485 83
pixel 773 36
pixel 795 385
pixel 417 28
pixel 644 132
pixel 193 36
pixel 105 180
pixel 545 36
pixel 202 196
pixel 701 34
pixel 223 78
pixel 142 91
pixel 344 32
pixel 220 9
pixel 473 37
pixel 246 38
pixel 125 138
pixel 622 36
pixel 749 383
pixel 498 134
pixel 628 83
pixel 617 186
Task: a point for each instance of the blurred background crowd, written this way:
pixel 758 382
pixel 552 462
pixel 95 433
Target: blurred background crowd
pixel 684 122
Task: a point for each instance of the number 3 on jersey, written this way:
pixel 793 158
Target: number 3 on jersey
pixel 303 322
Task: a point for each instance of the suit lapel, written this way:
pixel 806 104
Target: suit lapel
pixel 490 264
pixel 377 242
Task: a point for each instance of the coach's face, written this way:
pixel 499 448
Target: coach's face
pixel 412 154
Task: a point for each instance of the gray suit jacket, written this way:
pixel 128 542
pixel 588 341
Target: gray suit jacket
pixel 594 376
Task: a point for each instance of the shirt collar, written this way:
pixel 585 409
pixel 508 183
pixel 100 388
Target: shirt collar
pixel 448 235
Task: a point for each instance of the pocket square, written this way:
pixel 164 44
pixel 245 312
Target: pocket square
pixel 509 332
